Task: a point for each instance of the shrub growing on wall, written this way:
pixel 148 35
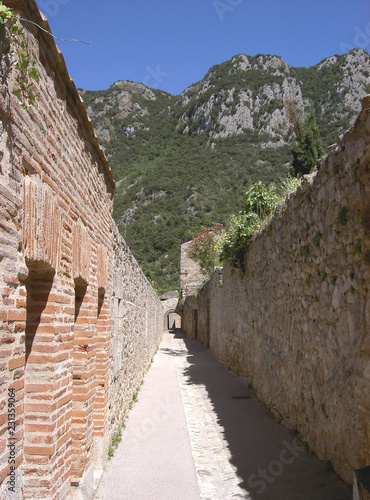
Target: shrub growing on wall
pixel 25 68
pixel 235 242
pixel 204 248
pixel 260 202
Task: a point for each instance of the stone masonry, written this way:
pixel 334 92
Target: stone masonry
pixel 191 275
pixel 137 316
pixel 79 321
pixel 296 324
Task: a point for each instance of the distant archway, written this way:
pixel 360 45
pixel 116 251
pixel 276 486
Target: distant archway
pixel 172 320
pixel 171 316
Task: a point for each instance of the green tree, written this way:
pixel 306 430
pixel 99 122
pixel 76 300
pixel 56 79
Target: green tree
pixel 309 148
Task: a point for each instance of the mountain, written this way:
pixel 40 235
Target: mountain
pixel 183 161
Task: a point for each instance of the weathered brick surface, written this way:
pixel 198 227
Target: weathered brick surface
pixel 59 260
pixel 297 324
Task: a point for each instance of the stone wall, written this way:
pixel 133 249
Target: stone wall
pixel 137 317
pixel 62 267
pixel 172 318
pixel 191 275
pixel 296 324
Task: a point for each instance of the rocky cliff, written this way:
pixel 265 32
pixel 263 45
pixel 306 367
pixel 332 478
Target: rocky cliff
pixel 182 161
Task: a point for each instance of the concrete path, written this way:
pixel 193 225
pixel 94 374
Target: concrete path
pixel 197 432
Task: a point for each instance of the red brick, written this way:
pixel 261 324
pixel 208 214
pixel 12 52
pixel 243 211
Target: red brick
pixel 44 451
pixel 34 387
pixel 44 427
pixel 17 315
pixel 21 303
pixel 64 438
pixel 39 406
pixel 16 362
pixel 40 359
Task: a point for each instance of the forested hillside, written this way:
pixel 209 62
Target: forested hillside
pixel 183 161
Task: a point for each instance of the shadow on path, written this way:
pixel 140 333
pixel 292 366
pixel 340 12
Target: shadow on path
pixel 271 463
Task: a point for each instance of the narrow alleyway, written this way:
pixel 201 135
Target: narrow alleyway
pixel 197 432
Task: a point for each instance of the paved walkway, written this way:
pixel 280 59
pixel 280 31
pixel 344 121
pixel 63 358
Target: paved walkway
pixel 197 432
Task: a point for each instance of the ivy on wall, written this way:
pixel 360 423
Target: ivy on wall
pixel 21 60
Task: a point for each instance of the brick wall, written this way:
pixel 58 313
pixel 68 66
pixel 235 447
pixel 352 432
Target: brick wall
pixel 56 285
pixel 296 324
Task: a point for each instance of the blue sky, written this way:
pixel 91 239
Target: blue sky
pixel 170 44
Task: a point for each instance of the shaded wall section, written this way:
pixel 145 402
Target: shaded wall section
pixel 296 324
